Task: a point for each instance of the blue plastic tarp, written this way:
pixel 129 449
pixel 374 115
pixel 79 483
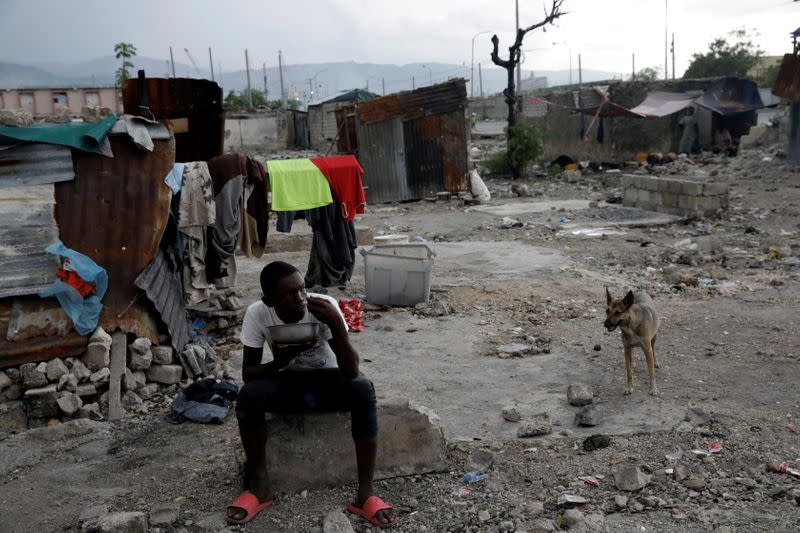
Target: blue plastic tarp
pixel 84 312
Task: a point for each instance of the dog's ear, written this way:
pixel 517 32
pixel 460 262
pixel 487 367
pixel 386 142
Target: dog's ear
pixel 608 296
pixel 628 300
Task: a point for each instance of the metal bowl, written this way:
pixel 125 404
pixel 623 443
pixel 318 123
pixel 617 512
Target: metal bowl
pixel 294 333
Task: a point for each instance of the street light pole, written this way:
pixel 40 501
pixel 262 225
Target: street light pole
pixel 472 66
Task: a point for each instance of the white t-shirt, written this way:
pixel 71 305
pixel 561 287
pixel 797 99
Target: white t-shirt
pixel 255 333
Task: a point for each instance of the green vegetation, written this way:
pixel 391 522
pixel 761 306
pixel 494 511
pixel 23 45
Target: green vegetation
pixel 124 51
pixel 724 58
pixel 525 145
pixel 648 74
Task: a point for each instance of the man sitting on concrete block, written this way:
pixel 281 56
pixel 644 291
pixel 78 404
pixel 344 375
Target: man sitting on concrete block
pixel 319 375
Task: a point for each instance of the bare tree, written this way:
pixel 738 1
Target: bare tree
pixel 514 52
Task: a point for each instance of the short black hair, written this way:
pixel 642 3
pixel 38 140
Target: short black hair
pixel 273 273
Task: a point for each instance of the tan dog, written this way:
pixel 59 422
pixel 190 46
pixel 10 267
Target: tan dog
pixel 636 317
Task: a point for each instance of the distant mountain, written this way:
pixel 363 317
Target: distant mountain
pixel 308 82
pixel 13 75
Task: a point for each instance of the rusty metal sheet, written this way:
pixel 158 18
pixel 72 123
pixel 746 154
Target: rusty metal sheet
pixel 164 289
pixel 197 101
pixel 34 349
pixel 787 84
pixel 423 145
pixel 382 156
pixel 36 317
pixel 454 151
pixel 347 140
pixel 436 99
pixel 27 226
pixel 379 109
pixel 115 211
pixel 34 164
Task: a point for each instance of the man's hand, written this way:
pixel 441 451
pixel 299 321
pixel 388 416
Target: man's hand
pixel 326 313
pixel 283 355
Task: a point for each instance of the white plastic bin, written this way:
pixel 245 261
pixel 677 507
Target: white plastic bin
pixel 398 274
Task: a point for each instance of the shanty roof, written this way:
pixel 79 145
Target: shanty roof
pixel 354 95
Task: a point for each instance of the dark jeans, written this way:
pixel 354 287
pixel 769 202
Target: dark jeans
pixel 312 391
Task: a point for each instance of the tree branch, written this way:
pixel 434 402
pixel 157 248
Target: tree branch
pixel 555 12
pixel 495 57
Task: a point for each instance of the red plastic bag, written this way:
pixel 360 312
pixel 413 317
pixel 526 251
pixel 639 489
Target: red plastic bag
pixel 353 313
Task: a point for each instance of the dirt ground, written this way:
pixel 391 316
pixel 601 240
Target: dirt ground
pixel 726 289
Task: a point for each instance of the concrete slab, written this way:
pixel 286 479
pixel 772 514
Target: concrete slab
pixel 523 208
pixel 494 259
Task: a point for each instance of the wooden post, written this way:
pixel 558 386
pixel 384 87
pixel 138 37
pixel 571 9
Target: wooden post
pixel 119 347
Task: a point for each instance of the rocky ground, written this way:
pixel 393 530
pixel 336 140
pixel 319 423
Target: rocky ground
pixel 725 286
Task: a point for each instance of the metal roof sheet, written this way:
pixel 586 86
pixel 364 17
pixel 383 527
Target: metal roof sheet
pixel 27 226
pixel 163 287
pixel 34 164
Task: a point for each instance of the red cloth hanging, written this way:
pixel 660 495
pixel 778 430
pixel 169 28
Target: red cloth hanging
pixel 344 176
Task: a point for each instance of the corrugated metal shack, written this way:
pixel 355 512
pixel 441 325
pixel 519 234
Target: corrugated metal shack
pixel 411 144
pixel 322 117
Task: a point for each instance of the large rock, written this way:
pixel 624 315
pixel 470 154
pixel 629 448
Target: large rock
pixel 165 374
pixel 67 382
pixel 97 356
pixel 55 369
pixel 5 381
pixel 100 336
pixel 139 355
pixel 336 522
pixel 162 355
pixel 13 418
pixel 579 394
pixel 124 522
pixel 316 450
pixel 42 402
pixel 164 515
pixel 129 380
pixel 131 401
pixel 535 426
pixel 588 416
pixel 630 478
pixel 69 403
pixel 91 411
pixel 80 371
pixel 32 377
pixel 93 114
pixel 11 393
pixel 100 377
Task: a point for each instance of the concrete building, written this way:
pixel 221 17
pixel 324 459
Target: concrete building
pixel 322 116
pixel 42 102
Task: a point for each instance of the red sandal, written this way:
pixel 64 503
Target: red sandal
pixel 370 510
pixel 249 503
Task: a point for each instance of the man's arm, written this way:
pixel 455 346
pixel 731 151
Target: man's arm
pixel 346 356
pixel 253 369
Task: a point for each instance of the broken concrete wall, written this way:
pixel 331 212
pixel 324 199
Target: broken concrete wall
pixel 674 196
pixel 270 131
pixel 317 450
pixel 322 124
pixel 488 108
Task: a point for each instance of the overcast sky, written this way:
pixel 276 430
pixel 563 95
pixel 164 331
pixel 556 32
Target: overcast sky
pixel 605 33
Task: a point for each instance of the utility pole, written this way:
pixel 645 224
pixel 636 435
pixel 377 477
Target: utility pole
pixel 580 71
pixel 265 83
pixel 211 63
pixel 633 66
pixel 249 89
pixel 672 49
pixel 480 79
pixel 570 67
pixel 519 65
pixel 280 72
pixel 172 61
pixel 666 66
pixel 367 85
pixel 412 83
pixel 383 86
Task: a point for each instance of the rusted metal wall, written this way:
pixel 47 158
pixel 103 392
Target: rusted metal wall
pixel 199 102
pixel 34 164
pixel 787 84
pixel 115 212
pixel 382 156
pixel 347 141
pixel 433 142
pixel 33 329
pixel 424 142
